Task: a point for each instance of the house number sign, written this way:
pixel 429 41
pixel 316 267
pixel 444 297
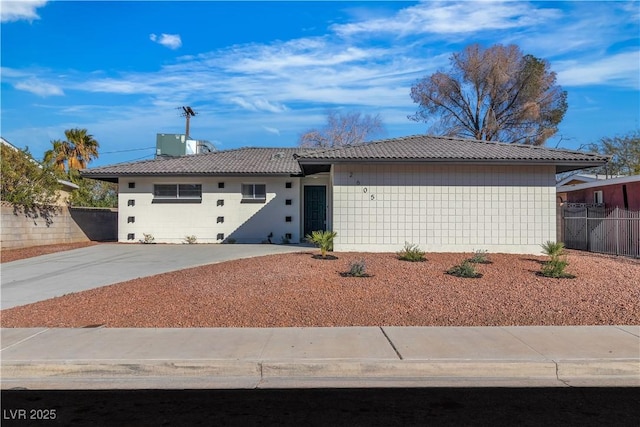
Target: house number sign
pixel 365 190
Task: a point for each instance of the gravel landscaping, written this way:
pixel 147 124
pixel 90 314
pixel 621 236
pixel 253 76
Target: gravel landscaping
pixel 298 289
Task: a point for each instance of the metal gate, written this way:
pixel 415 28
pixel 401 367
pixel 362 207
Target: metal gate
pixel 593 228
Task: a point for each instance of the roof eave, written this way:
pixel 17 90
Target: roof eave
pixel 559 164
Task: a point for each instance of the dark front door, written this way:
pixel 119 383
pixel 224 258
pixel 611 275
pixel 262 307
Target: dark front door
pixel 315 208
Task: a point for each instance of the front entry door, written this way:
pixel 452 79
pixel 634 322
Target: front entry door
pixel 315 208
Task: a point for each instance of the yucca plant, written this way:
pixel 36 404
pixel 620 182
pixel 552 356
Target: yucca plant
pixel 556 264
pixel 323 240
pixel 553 249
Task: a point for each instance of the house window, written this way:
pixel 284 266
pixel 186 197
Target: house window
pixel 221 185
pixel 597 197
pixel 220 219
pixel 254 192
pixel 287 185
pixel 177 192
pixel 131 202
pixel 287 219
pixel 132 185
pixel 131 236
pixel 287 202
pixel 220 202
pixel 220 236
pixel 131 219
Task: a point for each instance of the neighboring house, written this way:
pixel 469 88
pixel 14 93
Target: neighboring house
pixel 65 187
pixel 621 192
pixel 582 178
pixel 443 194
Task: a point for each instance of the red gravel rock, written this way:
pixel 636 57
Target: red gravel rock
pixel 298 290
pixel 8 255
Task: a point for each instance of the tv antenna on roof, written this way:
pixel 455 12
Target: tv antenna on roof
pixel 187 112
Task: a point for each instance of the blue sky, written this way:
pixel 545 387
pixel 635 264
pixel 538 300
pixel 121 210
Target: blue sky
pixel 262 73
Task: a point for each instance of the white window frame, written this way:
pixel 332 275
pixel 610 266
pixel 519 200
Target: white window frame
pixel 253 195
pixel 598 197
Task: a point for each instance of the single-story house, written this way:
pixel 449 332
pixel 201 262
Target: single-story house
pixel 619 192
pixel 441 193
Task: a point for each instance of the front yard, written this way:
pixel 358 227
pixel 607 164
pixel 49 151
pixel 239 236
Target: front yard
pixel 300 290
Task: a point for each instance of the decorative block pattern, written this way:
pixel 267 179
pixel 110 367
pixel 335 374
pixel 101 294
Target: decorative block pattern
pixel 444 208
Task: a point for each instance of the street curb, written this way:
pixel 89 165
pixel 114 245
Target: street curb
pixel 150 374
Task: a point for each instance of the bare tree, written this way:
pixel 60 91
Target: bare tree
pixel 494 94
pixel 624 152
pixel 343 129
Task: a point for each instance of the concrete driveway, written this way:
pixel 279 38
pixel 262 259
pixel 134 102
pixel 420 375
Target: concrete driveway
pixel 40 278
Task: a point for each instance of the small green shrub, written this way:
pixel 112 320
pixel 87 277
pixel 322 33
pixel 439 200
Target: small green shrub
pixel 323 240
pixel 466 269
pixel 411 252
pixel 479 257
pixel 190 239
pixel 147 238
pixel 357 269
pixel 553 249
pixel 557 263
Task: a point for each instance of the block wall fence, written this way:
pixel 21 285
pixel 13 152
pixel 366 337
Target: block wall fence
pixel 57 224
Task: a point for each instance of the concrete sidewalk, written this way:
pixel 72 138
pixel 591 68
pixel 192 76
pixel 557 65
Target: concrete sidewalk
pixel 210 358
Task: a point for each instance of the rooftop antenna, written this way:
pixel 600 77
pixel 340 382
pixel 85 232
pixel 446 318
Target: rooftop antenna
pixel 188 113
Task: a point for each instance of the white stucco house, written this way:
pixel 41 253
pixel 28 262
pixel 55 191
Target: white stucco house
pixel 443 194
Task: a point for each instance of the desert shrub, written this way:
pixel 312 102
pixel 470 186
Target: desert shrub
pixel 357 269
pixel 190 239
pixel 466 269
pixel 557 261
pixel 411 252
pixel 148 238
pixel 323 240
pixel 553 250
pixel 479 257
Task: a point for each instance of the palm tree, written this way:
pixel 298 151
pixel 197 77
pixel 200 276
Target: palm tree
pixel 58 155
pixel 84 148
pixel 74 153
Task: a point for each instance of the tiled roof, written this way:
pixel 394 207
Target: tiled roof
pixel 242 161
pixel 431 148
pixel 287 161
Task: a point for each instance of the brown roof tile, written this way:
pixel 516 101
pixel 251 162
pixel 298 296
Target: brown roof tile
pixel 242 161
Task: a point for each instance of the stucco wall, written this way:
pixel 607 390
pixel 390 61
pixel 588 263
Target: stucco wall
pixel 612 194
pixel 56 225
pixel 507 209
pixel 207 220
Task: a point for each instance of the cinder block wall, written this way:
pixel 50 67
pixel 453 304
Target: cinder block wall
pixel 56 225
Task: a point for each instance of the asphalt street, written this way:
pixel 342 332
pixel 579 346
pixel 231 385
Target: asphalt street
pixel 619 407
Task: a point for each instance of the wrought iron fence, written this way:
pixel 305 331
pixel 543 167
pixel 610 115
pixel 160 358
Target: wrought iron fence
pixel 594 228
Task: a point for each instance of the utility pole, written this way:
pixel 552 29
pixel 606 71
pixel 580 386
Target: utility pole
pixel 188 112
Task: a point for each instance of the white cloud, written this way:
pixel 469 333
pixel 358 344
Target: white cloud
pixel 620 69
pixel 18 10
pixel 38 87
pixel 172 41
pixel 450 18
pixel 271 130
pixel 258 105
